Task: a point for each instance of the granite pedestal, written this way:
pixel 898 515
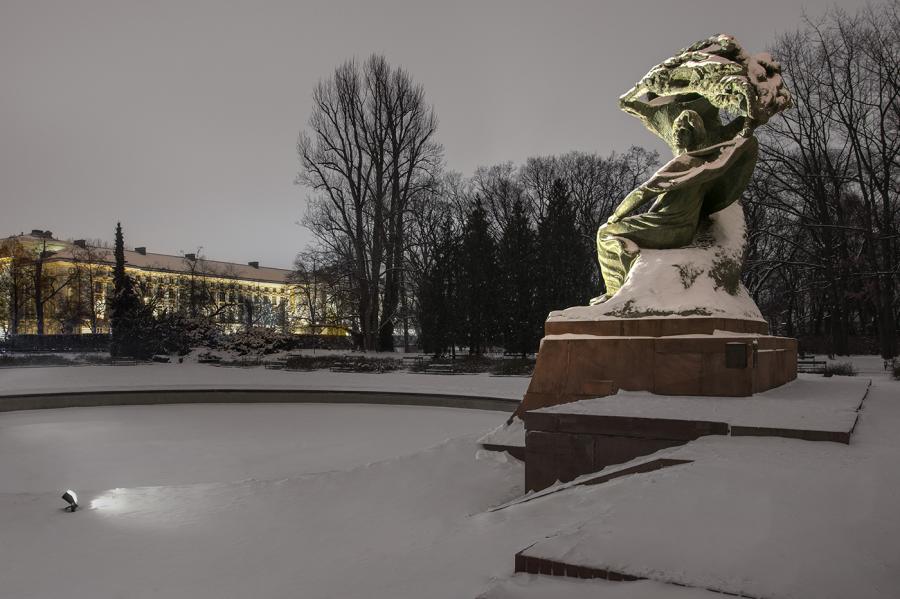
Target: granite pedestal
pixel 725 357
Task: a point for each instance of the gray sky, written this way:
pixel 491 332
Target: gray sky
pixel 180 118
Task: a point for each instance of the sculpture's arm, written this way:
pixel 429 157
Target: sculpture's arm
pixel 632 202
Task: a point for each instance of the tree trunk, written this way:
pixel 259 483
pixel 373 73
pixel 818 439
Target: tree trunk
pixel 38 295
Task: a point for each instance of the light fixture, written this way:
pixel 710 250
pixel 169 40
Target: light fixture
pixel 71 498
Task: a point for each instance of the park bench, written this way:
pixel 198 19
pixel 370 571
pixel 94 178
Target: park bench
pixel 809 364
pixel 123 362
pixel 414 361
pixel 440 369
pixel 357 367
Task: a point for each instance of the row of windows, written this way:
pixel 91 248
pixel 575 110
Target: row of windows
pixel 151 280
pixel 222 295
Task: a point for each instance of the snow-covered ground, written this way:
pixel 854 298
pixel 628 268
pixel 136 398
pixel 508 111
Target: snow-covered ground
pixel 772 518
pixel 135 446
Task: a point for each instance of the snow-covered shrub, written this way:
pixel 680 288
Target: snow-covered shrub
pixel 840 369
pixel 338 362
pixel 257 340
pixel 98 358
pixel 33 360
pixel 177 333
pixel 514 366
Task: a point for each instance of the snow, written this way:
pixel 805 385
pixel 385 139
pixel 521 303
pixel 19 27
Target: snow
pixel 507 435
pixel 767 517
pixel 765 75
pixel 774 518
pixel 374 531
pixel 809 403
pixel 715 333
pixel 530 586
pixel 161 377
pixel 130 446
pixel 655 286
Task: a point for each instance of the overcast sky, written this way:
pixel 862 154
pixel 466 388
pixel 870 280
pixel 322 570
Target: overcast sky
pixel 180 118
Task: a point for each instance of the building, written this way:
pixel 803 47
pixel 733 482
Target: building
pixel 48 285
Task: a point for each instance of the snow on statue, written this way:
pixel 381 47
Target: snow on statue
pixel 680 100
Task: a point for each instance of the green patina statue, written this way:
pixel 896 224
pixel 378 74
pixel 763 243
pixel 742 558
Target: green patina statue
pixel 680 101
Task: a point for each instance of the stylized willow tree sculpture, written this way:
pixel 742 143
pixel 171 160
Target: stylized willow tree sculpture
pixel 682 100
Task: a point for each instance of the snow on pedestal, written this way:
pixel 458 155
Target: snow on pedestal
pixel 695 281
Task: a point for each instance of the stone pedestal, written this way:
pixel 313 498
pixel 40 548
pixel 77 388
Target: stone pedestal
pixel 709 356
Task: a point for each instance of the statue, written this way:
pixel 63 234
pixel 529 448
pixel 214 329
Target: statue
pixel 675 319
pixel 713 162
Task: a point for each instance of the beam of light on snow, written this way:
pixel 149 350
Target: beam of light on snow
pixel 114 501
pixel 156 508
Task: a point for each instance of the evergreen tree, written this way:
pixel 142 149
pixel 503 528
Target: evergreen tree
pixel 131 324
pixel 120 279
pixel 439 297
pixel 564 259
pixel 479 286
pixel 520 323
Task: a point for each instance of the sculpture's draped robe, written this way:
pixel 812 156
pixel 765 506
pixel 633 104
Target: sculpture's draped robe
pixel 689 187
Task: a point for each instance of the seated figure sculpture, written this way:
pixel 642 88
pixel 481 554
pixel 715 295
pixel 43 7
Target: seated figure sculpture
pixel 680 101
pixel 675 318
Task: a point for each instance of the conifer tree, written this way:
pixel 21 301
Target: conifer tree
pixel 479 285
pixel 564 260
pixel 124 307
pixel 520 323
pixel 439 310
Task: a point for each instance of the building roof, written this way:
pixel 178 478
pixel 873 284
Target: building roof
pixel 66 251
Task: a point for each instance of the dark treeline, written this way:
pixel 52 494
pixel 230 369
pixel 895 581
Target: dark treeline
pixel 479 262
pixel 823 209
pixel 407 246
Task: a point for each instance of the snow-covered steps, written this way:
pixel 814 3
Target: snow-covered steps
pixel 608 474
pixel 508 437
pixel 758 517
pixel 537 565
pixel 530 586
pixel 566 441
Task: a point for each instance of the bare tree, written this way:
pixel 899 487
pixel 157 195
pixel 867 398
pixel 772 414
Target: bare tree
pixel 823 210
pixel 369 150
pixel 47 283
pixel 321 292
pixel 90 275
pixel 15 283
pixel 861 59
pixel 499 187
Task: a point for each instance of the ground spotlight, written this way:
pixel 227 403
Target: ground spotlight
pixel 71 498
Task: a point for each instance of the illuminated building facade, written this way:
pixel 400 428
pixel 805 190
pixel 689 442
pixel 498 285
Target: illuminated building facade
pixel 64 286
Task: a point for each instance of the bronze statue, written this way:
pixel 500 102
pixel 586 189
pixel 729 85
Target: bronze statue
pixel 712 161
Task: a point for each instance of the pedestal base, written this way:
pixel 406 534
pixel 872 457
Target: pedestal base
pixel 685 356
